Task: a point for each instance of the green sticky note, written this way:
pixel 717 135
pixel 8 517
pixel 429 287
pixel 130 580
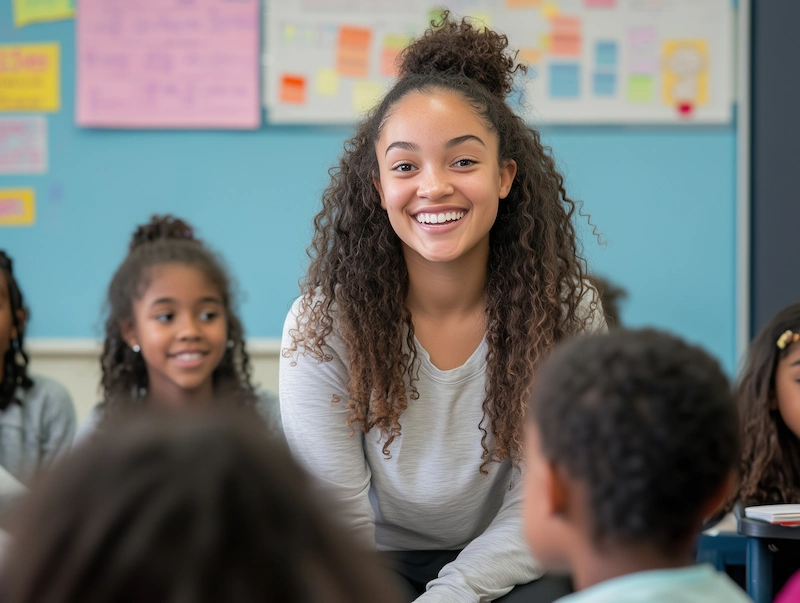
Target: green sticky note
pixel 640 88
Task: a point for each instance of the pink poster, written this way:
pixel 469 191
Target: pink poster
pixel 168 64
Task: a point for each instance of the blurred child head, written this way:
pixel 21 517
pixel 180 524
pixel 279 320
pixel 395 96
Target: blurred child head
pixel 768 394
pixel 631 442
pixel 13 316
pixel 172 332
pixel 611 296
pixel 201 508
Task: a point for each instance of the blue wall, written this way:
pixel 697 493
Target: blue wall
pixel 663 198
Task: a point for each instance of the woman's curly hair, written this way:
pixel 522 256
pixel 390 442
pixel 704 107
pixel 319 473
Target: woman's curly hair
pixel 357 280
pixel 165 240
pixel 769 468
pixel 15 360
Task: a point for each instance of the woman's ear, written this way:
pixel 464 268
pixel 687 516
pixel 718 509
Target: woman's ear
pixel 508 172
pixel 377 182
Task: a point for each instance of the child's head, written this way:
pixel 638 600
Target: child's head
pixel 200 508
pixel 768 393
pixel 13 315
pixel 610 295
pixel 443 171
pixel 172 332
pixel 632 439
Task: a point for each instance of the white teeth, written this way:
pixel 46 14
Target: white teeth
pixel 189 356
pixel 441 218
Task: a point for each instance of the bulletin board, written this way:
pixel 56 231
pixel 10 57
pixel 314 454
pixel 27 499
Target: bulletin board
pixel 591 61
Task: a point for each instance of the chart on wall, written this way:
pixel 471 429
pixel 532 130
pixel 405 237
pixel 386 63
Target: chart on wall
pixel 590 61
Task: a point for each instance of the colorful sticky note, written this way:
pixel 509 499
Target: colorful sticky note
pixel 606 53
pixel 531 56
pixel 352 53
pixel 366 95
pixel 327 82
pixel 599 3
pixel 148 64
pixel 293 89
pixel 565 38
pixel 685 76
pixel 550 9
pixel 38 11
pixel 564 80
pixel 642 36
pixel 23 145
pixel 29 77
pixel 640 88
pixel 17 207
pixel 523 3
pixel 393 44
pixel 604 84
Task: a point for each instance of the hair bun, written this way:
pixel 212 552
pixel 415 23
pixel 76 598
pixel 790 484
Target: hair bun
pixel 161 228
pixel 450 46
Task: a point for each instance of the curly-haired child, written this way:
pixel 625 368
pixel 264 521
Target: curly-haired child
pixel 632 440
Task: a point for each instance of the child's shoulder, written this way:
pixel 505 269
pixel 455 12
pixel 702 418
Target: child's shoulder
pixel 45 390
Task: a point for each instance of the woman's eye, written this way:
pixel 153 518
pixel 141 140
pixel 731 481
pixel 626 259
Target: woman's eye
pixel 403 167
pixel 464 163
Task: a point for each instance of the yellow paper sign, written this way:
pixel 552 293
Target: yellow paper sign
pixel 38 11
pixel 685 67
pixel 550 10
pixel 17 207
pixel 327 82
pixel 366 95
pixel 29 77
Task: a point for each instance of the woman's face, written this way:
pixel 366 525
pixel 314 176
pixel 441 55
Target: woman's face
pixel 440 181
pixel 787 388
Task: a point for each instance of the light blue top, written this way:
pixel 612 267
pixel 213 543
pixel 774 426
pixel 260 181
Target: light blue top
pixel 33 434
pixel 693 584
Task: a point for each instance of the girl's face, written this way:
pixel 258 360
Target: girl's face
pixel 439 179
pixel 787 388
pixel 181 327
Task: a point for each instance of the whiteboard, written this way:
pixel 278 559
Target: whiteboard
pixel 591 61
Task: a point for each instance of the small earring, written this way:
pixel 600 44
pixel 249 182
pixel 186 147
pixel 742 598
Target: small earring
pixel 136 349
pixel 231 343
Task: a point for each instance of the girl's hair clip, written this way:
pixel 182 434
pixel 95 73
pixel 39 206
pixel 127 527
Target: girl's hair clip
pixel 788 337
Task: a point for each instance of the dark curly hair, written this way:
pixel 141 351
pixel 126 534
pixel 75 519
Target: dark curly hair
pixel 610 295
pixel 202 508
pixel 357 280
pixel 769 468
pixel 165 240
pixel 647 422
pixel 15 360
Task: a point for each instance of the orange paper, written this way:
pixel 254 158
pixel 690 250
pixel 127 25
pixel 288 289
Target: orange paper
pixel 565 39
pixel 352 56
pixel 523 3
pixel 293 89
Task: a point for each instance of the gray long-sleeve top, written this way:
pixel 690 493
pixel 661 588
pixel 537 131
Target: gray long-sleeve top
pixel 431 494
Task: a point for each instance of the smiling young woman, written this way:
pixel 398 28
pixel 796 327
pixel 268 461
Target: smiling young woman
pixel 444 266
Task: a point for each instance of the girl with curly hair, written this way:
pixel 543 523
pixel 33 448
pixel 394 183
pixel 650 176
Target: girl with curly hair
pixel 37 417
pixel 444 266
pixel 173 337
pixel 768 394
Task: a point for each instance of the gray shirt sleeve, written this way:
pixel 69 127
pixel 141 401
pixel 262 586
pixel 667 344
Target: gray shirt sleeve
pixel 318 435
pixel 58 426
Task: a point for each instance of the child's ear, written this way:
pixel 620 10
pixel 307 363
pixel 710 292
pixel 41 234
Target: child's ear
pixel 128 332
pixel 719 496
pixel 22 318
pixel 507 173
pixel 557 490
pixel 377 182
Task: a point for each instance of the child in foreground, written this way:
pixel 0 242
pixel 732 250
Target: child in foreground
pixel 199 507
pixel 631 443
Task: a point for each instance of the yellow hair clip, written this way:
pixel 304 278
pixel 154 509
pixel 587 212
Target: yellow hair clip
pixel 788 337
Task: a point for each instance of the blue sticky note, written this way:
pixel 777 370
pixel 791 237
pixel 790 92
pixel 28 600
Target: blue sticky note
pixel 606 54
pixel 604 84
pixel 565 80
